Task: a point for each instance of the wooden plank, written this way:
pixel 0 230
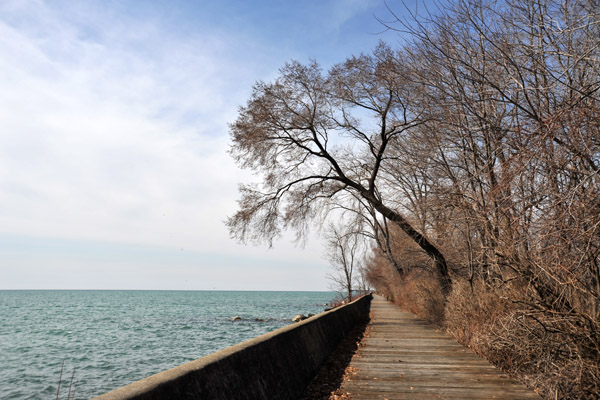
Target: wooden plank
pixel 406 358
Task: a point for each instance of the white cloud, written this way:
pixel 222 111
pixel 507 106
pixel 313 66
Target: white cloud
pixel 114 131
pixel 105 140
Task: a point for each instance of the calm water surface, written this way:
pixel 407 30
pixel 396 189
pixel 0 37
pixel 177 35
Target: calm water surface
pixel 112 338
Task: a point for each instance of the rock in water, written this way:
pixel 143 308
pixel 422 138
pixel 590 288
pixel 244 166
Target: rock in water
pixel 299 317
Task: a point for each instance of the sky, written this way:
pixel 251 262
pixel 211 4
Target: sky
pixel 114 171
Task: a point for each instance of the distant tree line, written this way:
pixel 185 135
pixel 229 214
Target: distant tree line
pixel 464 164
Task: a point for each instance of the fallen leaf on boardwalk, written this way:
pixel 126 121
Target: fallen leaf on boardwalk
pixel 329 377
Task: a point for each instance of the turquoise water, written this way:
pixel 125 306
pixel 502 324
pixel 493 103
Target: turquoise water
pixel 112 338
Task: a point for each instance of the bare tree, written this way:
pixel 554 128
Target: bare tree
pixel 315 138
pixel 508 157
pixel 512 94
pixel 343 252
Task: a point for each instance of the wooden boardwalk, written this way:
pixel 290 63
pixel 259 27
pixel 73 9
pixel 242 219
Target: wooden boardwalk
pixel 403 357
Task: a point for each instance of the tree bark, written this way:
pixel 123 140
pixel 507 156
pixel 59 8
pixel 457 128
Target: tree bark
pixel 438 258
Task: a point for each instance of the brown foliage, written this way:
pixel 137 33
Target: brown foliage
pixel 472 310
pixel 536 347
pixel 420 293
pixel 418 290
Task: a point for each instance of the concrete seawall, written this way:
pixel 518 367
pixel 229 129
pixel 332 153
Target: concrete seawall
pixel 276 365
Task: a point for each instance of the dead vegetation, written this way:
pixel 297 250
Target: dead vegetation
pixel 552 353
pixel 469 158
pixel 326 385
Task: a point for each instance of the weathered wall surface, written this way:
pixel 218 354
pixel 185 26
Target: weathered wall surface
pixel 277 365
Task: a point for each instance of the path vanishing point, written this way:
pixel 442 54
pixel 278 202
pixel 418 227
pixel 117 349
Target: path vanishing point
pixel 403 357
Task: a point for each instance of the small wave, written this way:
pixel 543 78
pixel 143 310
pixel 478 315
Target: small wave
pixel 114 338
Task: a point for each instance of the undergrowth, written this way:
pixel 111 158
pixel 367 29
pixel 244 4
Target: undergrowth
pixel 549 353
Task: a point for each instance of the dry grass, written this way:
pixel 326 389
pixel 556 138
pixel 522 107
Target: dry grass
pixel 542 350
pixel 554 354
pixel 471 312
pixel 420 293
pixel 554 350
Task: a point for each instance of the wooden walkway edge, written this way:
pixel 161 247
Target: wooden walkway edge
pixel 404 357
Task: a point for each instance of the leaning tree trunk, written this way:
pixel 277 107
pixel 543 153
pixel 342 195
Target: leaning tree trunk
pixel 438 258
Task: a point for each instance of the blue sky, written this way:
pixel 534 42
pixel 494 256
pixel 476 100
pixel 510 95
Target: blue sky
pixel 114 172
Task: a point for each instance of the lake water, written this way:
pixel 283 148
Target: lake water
pixel 112 338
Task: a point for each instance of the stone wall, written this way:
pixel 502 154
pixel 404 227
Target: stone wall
pixel 276 365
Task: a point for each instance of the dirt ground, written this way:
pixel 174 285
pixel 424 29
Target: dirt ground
pixel 326 385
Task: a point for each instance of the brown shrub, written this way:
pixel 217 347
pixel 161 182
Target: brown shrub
pixel 419 292
pixel 546 353
pixel 471 310
pixel 538 348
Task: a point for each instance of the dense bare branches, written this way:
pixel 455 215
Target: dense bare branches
pixel 345 253
pixel 481 135
pixel 316 139
pixel 516 130
pixel 506 166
